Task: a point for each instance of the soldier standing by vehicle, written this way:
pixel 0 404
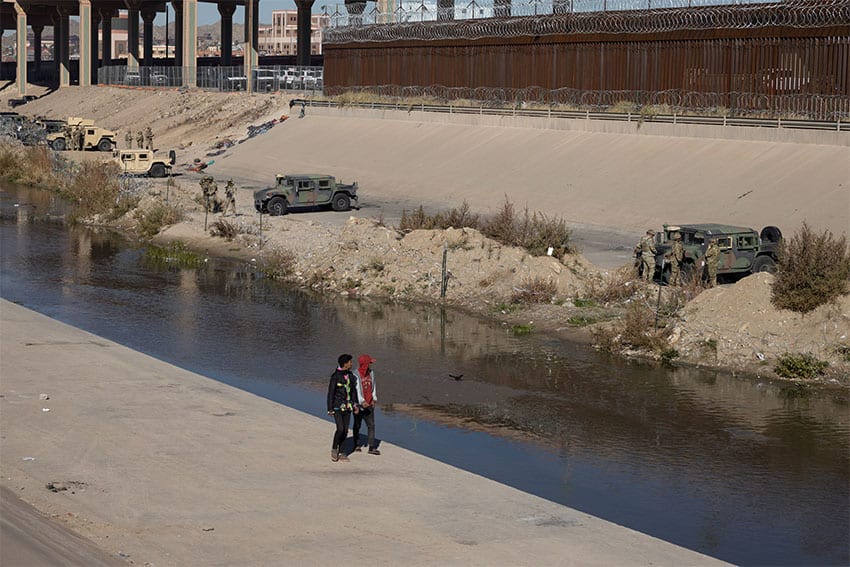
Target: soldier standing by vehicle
pixel 140 140
pixel 148 138
pixel 712 255
pixel 645 251
pixel 68 133
pixel 81 137
pixel 677 254
pixel 210 190
pixel 229 197
pixel 128 139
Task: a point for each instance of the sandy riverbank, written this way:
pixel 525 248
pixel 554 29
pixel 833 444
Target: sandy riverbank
pixel 170 468
pixel 608 184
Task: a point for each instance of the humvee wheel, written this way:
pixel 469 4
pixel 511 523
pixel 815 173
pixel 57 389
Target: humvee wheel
pixel 58 144
pixel 764 264
pixel 157 170
pixel 277 206
pixel 104 145
pixel 341 202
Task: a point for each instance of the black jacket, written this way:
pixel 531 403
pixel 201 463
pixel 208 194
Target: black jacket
pixel 342 390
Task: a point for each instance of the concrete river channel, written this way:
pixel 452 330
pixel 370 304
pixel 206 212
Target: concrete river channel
pixel 742 469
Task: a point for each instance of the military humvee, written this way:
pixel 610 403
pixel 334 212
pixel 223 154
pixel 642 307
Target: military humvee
pixel 94 137
pixel 144 162
pixel 304 191
pixel 743 251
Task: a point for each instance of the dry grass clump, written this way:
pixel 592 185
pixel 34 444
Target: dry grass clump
pixel 614 287
pixel 635 330
pixel 224 229
pixel 95 188
pixel 152 219
pixel 535 290
pixel 813 269
pixel 277 263
pixel 534 232
pixel 27 165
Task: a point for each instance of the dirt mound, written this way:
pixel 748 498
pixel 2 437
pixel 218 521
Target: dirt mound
pixel 737 326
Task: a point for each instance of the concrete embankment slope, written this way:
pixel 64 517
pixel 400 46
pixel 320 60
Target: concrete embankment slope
pixel 172 468
pixel 628 176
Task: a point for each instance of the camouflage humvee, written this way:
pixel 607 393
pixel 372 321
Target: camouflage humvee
pixel 743 251
pixel 144 162
pixel 94 137
pixel 304 191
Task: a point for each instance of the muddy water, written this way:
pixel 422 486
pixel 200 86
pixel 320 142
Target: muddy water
pixel 735 468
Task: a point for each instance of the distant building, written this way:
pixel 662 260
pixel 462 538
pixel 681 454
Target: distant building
pixel 281 38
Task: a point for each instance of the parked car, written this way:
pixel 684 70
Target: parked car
pixel 143 162
pixel 743 251
pixel 132 78
pixel 308 79
pixel 303 191
pixel 265 80
pixel 288 78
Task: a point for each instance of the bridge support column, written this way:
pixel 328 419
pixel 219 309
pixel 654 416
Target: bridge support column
pixel 178 32
pixel 226 11
pixel 21 49
pixel 64 53
pixel 250 59
pixel 106 40
pixel 85 43
pixel 302 53
pixel 189 25
pixel 148 14
pixel 36 47
pixel 133 35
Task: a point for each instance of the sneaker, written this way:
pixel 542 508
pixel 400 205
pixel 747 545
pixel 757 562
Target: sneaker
pixel 358 448
pixel 342 457
pixel 374 452
pixel 334 455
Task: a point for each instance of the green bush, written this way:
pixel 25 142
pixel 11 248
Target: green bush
pixel 152 220
pixel 803 366
pixel 278 263
pixel 813 269
pixel 176 254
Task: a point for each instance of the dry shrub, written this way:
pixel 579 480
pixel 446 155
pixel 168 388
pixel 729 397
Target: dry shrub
pixel 277 263
pixel 224 229
pixel 95 188
pixel 459 217
pixel 27 165
pixel 813 269
pixel 635 330
pixel 152 219
pixel 534 232
pixel 535 290
pixel 614 287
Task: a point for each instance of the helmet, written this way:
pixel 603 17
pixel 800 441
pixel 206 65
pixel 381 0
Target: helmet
pixel 677 236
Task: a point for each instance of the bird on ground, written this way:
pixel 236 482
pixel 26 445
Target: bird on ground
pixel 456 376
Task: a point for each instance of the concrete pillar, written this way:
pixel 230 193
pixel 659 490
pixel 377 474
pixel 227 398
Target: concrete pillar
pixel 226 12
pixel 190 43
pixel 95 51
pixel 249 60
pixel 501 8
pixel 148 14
pixel 133 35
pixel 64 52
pixel 445 10
pixel 36 47
pixel 57 36
pixel 178 33
pixel 302 53
pixel 21 49
pixel 85 43
pixel 106 40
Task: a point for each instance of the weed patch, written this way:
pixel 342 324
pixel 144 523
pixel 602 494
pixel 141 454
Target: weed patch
pixel 801 366
pixel 175 254
pixel 153 219
pixel 534 290
pixel 277 263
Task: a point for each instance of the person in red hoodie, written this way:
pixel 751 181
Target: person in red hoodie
pixel 367 396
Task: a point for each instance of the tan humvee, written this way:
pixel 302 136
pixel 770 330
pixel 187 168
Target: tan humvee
pixel 144 162
pixel 94 137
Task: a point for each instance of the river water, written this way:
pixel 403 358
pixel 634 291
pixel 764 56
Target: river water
pixel 736 468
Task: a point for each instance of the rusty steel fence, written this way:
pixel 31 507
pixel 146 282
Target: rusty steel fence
pixel 779 59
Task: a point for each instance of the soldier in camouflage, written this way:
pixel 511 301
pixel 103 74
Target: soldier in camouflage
pixel 128 139
pixel 677 254
pixel 148 138
pixel 140 140
pixel 712 255
pixel 210 191
pixel 645 252
pixel 229 197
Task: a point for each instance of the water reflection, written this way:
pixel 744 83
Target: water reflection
pixel 723 465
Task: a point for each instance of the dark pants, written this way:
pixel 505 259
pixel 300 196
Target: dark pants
pixel 342 419
pixel 367 415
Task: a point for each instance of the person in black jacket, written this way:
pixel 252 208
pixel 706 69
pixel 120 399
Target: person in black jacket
pixel 342 401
